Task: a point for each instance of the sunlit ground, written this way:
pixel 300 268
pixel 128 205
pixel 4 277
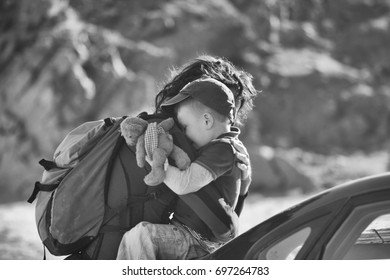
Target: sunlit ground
pixel 258 208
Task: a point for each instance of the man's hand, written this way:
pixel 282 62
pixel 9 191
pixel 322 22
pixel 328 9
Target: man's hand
pixel 243 158
pixel 232 214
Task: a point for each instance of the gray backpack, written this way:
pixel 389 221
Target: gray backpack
pixel 93 191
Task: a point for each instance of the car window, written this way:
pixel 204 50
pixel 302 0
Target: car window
pixel 291 239
pixel 373 242
pixel 378 232
pixel 364 234
pixel 288 247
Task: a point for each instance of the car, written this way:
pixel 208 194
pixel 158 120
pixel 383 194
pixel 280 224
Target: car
pixel 349 221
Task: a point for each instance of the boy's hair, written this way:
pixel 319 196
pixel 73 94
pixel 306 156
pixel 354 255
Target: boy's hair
pixel 237 80
pixel 201 108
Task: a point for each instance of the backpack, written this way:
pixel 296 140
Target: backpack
pixel 92 192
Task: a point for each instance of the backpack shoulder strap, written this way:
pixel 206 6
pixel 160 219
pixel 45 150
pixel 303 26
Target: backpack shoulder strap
pixel 205 204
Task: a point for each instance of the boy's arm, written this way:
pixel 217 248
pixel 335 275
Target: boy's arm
pixel 187 181
pixel 213 162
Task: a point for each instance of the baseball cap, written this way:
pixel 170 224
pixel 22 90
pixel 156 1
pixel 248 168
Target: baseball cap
pixel 210 92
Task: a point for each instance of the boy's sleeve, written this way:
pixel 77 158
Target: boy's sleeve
pixel 218 159
pixel 187 181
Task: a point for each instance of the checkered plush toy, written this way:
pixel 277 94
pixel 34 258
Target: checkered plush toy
pixel 152 140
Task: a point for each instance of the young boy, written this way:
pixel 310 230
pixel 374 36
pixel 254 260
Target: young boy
pixel 205 110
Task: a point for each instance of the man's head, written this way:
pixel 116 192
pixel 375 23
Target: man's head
pixel 237 80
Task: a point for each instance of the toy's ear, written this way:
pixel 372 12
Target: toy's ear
pixel 167 124
pixel 141 122
pixel 132 128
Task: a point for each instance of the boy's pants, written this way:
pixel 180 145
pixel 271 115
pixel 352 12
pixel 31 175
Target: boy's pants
pixel 148 241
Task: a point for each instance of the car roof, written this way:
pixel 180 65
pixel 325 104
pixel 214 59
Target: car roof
pixel 346 191
pixel 366 184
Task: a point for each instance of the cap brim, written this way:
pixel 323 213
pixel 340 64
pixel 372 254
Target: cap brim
pixel 176 99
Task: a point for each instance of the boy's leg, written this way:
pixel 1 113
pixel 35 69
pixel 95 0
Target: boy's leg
pixel 137 244
pixel 158 241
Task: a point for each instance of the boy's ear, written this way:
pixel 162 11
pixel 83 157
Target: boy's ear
pixel 208 120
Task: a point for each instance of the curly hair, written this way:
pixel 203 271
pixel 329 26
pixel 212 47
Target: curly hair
pixel 237 80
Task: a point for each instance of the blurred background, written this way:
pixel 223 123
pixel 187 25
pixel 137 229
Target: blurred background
pixel 323 68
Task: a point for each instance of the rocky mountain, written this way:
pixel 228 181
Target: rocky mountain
pixel 323 68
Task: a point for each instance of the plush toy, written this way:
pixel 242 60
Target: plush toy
pixel 152 140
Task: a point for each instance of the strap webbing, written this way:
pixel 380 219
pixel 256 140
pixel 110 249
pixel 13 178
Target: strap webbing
pixel 44 252
pixel 47 164
pixel 134 200
pixel 108 122
pixel 41 187
pixel 110 228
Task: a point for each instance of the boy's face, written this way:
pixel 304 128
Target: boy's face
pixel 193 125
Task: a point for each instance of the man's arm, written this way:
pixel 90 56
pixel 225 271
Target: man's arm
pixel 246 175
